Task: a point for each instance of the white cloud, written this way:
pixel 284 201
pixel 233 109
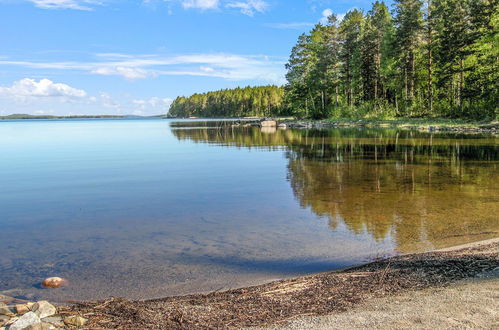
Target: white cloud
pixel 28 89
pixel 129 73
pixel 65 4
pixel 249 7
pixel 325 15
pixel 200 4
pixel 154 105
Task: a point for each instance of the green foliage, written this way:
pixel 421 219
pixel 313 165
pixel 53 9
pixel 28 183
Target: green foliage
pixel 240 102
pixel 432 58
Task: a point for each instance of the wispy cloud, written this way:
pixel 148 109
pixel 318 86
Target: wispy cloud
pixel 134 67
pixel 246 7
pixel 66 4
pixel 290 26
pixel 200 4
pixel 249 7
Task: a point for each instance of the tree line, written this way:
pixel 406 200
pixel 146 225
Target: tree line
pixel 240 102
pixel 421 58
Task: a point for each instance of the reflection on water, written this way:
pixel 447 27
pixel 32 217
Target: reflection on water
pixel 425 190
pixel 142 209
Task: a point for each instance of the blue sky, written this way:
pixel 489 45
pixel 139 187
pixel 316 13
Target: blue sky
pixel 66 57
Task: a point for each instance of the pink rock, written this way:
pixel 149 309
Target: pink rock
pixel 54 282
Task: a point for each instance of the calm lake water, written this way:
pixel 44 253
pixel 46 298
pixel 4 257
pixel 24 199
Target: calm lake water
pixel 143 208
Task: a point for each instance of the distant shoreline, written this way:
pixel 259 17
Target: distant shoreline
pixel 29 117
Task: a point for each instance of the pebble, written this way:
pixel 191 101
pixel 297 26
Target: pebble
pixel 44 309
pixel 40 326
pixel 22 309
pixel 4 310
pixel 77 321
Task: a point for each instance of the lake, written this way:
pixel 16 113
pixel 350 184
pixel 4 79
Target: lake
pixel 147 208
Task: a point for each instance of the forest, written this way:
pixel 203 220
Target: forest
pixel 240 102
pixel 420 58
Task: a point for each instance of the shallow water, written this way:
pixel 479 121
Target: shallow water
pixel 139 209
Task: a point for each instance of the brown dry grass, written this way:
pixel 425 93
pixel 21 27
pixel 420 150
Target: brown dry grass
pixel 278 302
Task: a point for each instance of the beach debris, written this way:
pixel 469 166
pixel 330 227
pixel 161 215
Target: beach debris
pixel 4 310
pixel 25 321
pixel 74 320
pixel 54 282
pixel 22 309
pixel 44 309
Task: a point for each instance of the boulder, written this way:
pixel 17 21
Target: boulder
pixel 44 309
pixel 54 282
pixel 282 126
pixel 25 321
pixel 269 123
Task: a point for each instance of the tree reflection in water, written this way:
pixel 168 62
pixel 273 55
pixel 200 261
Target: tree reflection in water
pixel 425 189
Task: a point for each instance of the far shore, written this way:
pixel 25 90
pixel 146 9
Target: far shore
pixel 277 303
pixel 421 124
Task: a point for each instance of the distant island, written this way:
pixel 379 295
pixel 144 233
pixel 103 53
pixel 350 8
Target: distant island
pixel 26 116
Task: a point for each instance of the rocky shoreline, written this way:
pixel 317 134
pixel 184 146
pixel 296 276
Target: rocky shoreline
pixel 486 128
pixel 17 314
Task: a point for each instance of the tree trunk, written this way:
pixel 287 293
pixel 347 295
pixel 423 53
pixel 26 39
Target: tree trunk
pixel 430 58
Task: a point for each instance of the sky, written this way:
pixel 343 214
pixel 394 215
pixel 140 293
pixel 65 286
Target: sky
pixel 118 57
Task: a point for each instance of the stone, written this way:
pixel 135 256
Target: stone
pixel 55 321
pixel 282 126
pixel 25 321
pixel 40 326
pixel 4 310
pixel 22 309
pixel 269 123
pixel 76 321
pixel 44 309
pixel 54 282
pixel 4 319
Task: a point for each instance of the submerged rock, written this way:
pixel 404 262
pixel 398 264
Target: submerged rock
pixel 44 309
pixel 25 321
pixel 54 282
